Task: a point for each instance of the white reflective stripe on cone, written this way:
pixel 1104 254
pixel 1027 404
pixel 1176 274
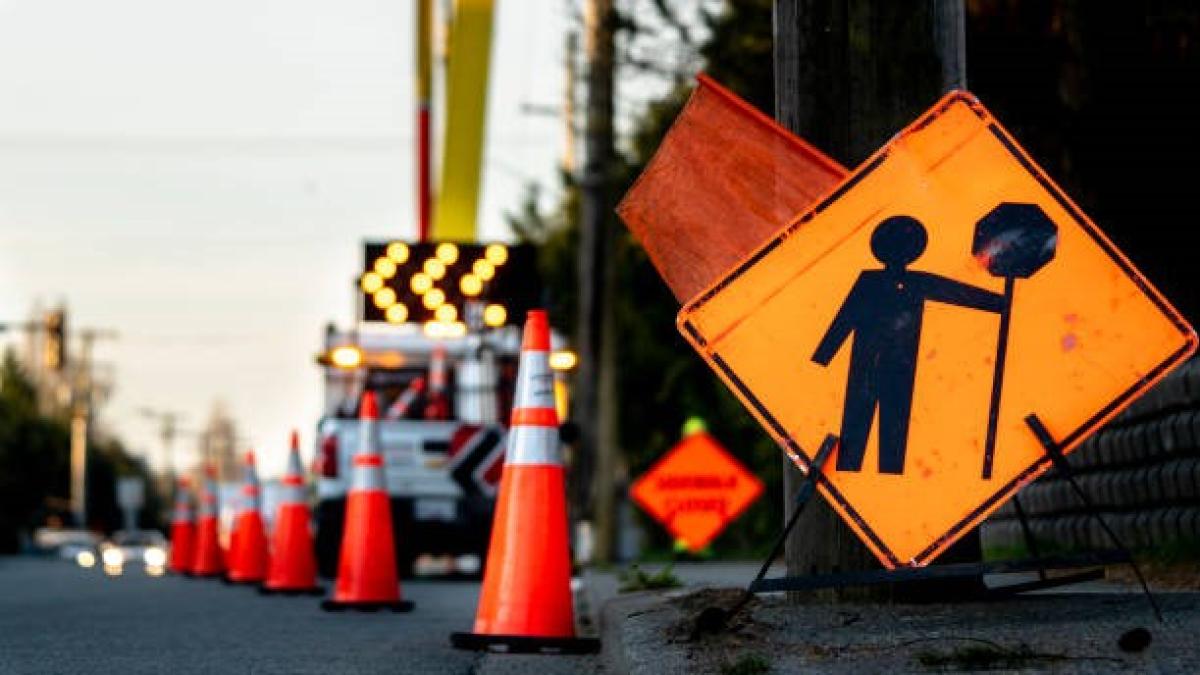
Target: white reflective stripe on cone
pixel 295 467
pixel 533 445
pixel 208 501
pixel 535 382
pixel 366 477
pixel 366 436
pixel 292 494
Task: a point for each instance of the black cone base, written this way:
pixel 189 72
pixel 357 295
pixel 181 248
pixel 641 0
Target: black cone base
pixel 395 606
pixel 314 590
pixel 525 644
pixel 206 575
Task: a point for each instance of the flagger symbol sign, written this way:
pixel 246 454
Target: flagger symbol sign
pixel 945 291
pixel 884 310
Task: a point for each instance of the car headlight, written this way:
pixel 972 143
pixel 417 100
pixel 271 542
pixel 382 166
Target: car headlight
pixel 154 557
pixel 86 559
pixel 113 557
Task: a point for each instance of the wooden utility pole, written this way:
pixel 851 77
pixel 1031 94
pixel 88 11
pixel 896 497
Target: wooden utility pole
pixel 848 75
pixel 81 419
pixel 595 397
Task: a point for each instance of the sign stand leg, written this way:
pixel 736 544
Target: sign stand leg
pixel 1027 534
pixel 1060 462
pixel 712 619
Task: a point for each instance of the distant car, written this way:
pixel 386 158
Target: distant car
pixel 65 543
pixel 130 547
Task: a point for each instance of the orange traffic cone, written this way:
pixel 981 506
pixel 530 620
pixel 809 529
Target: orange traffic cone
pixel 207 560
pixel 183 530
pixel 438 406
pixel 525 604
pixel 404 404
pixel 367 576
pixel 293 566
pixel 248 552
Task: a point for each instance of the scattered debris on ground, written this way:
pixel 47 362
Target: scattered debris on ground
pixel 634 579
pixel 1062 633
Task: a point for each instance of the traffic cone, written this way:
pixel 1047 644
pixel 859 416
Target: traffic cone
pixel 183 530
pixel 404 402
pixel 438 407
pixel 367 576
pixel 248 550
pixel 525 604
pixel 207 560
pixel 293 566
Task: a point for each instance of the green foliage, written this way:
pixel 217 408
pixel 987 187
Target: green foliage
pixel 983 655
pixel 33 457
pixel 35 466
pixel 661 380
pixel 634 579
pixel 747 664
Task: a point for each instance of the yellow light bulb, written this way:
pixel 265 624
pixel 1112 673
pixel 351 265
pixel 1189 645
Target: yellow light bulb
pixel 420 283
pixel 397 313
pixel 447 253
pixel 495 315
pixel 434 298
pixel 371 282
pixel 484 270
pixel 563 360
pixel 384 298
pixel 446 313
pixel 470 284
pixel 497 254
pixel 346 356
pixel 434 268
pixel 385 268
pixel 398 252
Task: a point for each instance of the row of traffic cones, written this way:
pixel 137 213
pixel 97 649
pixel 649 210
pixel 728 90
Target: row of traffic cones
pixel 525 604
pixel 196 549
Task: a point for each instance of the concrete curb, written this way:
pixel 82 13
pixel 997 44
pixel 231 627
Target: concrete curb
pixel 615 628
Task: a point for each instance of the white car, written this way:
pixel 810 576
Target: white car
pixel 66 544
pixel 135 547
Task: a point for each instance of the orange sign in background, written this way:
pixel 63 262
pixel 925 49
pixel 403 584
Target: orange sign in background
pixel 877 316
pixel 696 490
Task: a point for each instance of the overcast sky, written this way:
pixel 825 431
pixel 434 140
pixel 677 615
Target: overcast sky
pixel 198 177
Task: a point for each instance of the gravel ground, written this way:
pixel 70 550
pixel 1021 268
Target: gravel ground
pixel 1060 633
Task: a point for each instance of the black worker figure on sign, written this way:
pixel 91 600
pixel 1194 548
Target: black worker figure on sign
pixel 884 311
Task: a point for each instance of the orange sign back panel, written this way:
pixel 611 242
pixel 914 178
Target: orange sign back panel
pixel 723 181
pixel 696 490
pixel 943 292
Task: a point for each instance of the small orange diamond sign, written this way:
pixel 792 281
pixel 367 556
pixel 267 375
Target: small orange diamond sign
pixel 696 490
pixel 945 292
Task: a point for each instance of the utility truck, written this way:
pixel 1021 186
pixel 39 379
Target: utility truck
pixel 443 380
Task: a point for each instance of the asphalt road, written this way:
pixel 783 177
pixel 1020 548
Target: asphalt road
pixel 56 617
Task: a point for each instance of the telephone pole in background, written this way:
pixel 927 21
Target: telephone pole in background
pixel 82 390
pixel 848 75
pixel 596 380
pixel 168 469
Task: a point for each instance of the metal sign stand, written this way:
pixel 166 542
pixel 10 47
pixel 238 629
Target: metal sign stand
pixel 1040 564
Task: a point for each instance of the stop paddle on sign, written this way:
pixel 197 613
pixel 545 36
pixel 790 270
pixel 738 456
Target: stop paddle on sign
pixel 1012 241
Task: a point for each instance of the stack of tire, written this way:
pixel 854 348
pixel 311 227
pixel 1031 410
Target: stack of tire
pixel 1142 471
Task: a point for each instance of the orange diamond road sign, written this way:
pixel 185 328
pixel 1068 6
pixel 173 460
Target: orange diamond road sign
pixel 942 293
pixel 696 490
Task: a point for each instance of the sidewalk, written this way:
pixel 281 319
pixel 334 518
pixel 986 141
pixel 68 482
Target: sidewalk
pixel 1066 632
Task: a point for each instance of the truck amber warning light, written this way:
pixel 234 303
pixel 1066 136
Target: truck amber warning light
pixel 434 282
